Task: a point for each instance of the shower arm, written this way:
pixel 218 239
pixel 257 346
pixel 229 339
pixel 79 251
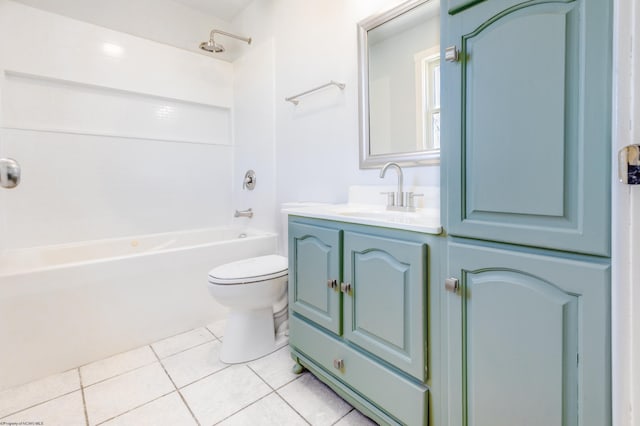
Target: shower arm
pixel 245 39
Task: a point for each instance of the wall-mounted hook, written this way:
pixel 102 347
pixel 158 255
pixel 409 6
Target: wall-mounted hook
pixel 249 181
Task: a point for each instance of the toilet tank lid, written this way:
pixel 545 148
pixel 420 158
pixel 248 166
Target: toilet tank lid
pixel 255 267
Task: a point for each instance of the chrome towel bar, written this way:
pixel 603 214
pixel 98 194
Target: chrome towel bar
pixel 294 99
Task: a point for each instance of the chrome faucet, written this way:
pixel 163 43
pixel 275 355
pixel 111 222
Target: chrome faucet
pixel 244 213
pixel 399 200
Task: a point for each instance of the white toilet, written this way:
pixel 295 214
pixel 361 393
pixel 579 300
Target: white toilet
pixel 255 290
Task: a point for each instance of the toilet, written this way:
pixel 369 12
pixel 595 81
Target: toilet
pixel 255 290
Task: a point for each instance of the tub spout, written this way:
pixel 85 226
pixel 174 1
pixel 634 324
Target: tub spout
pixel 244 213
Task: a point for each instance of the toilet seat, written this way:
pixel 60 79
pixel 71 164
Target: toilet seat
pixel 252 270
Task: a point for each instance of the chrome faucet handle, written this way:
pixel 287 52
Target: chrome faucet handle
pixel 391 198
pixel 411 199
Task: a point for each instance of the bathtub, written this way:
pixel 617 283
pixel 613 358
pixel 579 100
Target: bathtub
pixel 67 305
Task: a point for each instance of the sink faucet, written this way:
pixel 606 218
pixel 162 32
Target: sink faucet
pixel 399 196
pixel 399 200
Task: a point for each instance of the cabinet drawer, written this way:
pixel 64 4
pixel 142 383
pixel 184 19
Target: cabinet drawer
pixel 395 395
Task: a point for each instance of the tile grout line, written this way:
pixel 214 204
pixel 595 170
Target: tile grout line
pixel 272 392
pixel 176 387
pixel 82 386
pixel 39 403
pixel 348 412
pixel 132 409
pixel 283 399
pixel 275 390
pixel 245 407
pixel 212 333
pixel 291 406
pixel 84 401
pixel 145 365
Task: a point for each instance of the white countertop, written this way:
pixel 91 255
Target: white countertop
pixel 423 220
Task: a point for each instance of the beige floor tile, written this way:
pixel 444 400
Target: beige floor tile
pixel 269 411
pixel 316 402
pixel 220 395
pixel 21 397
pixel 116 365
pixel 66 410
pixel 181 342
pixel 355 418
pixel 169 410
pixel 191 365
pixel 120 394
pixel 217 328
pixel 275 368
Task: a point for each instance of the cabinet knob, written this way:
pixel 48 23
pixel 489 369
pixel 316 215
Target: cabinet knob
pixel 338 364
pixel 452 284
pixel 451 54
pixel 332 284
pixel 345 288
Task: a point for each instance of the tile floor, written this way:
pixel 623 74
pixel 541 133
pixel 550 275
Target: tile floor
pixel 179 381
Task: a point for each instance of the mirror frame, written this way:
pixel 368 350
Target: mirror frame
pixel 368 160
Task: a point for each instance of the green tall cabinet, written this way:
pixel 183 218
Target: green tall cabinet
pixel 526 177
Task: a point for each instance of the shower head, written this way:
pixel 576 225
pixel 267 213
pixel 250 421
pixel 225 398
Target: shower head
pixel 212 46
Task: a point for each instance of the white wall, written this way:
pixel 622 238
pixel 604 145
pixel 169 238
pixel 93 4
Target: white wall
pixel 110 145
pixel 165 21
pixel 317 141
pixel 254 139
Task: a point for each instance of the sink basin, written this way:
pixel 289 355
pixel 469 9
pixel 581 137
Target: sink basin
pixel 421 220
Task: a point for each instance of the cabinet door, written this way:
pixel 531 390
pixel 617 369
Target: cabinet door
pixel 457 6
pixel 527 128
pixel 384 312
pixel 314 274
pixel 528 339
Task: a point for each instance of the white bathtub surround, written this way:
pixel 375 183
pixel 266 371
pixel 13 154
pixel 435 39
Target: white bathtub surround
pixel 79 303
pixel 263 392
pixel 105 126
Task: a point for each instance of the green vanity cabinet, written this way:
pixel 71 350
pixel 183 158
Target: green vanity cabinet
pixel 527 123
pixel 528 337
pixel 366 333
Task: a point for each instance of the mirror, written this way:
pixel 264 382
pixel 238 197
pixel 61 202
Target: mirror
pixel 399 66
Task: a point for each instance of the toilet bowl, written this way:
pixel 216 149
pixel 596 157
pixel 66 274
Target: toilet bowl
pixel 255 291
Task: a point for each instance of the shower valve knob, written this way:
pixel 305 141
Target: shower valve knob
pixel 249 181
pixel 9 173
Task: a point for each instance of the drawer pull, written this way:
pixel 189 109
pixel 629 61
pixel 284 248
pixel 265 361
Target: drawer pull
pixel 332 284
pixel 345 288
pixel 338 364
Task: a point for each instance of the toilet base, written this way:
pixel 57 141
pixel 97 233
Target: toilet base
pixel 250 334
